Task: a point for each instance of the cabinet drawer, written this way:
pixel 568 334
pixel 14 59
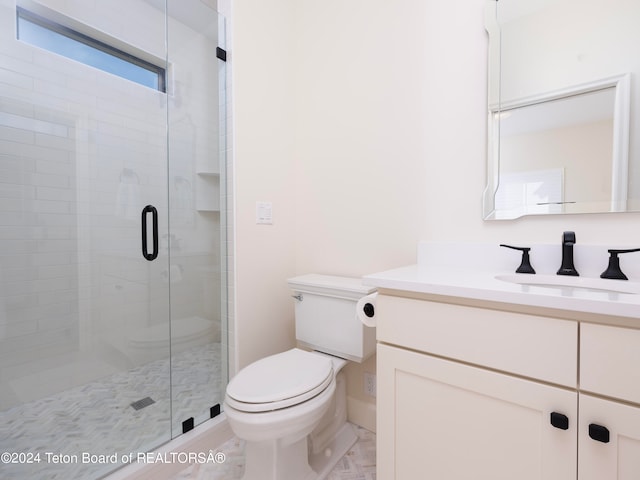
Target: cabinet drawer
pixel 609 359
pixel 537 347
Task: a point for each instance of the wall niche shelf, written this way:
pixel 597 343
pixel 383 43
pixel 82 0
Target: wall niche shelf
pixel 207 191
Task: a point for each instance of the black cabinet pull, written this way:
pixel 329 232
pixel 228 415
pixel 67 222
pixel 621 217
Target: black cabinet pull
pixel 559 420
pixel 154 218
pixel 599 433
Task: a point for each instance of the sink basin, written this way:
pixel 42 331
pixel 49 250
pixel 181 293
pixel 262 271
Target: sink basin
pixel 563 282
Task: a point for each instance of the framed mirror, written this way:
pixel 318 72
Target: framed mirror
pixel 562 74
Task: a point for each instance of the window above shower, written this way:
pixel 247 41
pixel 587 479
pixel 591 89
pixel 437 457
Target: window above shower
pixel 59 38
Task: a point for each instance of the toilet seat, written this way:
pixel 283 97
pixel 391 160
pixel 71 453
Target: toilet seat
pixel 279 381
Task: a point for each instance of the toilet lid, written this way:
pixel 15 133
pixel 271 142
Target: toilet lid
pixel 279 381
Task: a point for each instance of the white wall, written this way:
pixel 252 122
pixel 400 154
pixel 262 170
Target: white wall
pixel 360 143
pixel 264 169
pixel 365 123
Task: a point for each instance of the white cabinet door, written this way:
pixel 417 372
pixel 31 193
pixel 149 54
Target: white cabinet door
pixel 616 457
pixel 442 420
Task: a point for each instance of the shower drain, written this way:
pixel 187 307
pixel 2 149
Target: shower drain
pixel 143 402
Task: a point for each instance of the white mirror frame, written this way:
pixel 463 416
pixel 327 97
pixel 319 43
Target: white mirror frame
pixel 621 116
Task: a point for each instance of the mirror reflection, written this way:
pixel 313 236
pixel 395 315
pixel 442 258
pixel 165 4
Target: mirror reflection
pixel 561 74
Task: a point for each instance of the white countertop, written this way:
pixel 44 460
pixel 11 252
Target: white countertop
pixel 446 270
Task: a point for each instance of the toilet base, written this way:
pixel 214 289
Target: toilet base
pixel 275 461
pixel 323 462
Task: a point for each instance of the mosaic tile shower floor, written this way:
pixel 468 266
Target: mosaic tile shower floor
pixel 97 418
pixel 358 464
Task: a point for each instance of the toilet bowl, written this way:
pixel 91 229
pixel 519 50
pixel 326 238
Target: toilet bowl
pixel 290 408
pixel 275 421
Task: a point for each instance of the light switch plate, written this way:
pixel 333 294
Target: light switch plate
pixel 264 213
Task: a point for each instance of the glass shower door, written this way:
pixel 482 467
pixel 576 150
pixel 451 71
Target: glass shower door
pixel 196 142
pixel 85 303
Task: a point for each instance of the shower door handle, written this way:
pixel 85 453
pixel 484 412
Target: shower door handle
pixel 145 244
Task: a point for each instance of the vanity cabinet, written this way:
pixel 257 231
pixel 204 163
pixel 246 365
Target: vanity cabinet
pixel 468 392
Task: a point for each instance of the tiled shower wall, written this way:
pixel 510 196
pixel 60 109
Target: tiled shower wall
pixel 37 218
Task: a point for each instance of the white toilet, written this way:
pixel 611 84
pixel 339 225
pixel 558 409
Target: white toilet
pixel 290 408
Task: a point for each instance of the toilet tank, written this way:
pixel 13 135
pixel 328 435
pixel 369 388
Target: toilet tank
pixel 326 320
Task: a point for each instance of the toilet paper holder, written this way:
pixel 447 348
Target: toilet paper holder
pixel 366 310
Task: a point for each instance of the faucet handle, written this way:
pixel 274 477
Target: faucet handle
pixel 613 270
pixel 525 264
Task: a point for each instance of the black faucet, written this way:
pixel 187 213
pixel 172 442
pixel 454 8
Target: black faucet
pixel 567 268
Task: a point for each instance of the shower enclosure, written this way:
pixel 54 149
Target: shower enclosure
pixel 112 156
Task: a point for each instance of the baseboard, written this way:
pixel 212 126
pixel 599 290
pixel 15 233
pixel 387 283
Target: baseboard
pixel 203 439
pixel 361 413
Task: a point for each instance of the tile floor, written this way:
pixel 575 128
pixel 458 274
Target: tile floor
pixel 96 418
pixel 358 464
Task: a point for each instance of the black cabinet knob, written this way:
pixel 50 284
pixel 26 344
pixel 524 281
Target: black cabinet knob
pixel 559 420
pixel 599 433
